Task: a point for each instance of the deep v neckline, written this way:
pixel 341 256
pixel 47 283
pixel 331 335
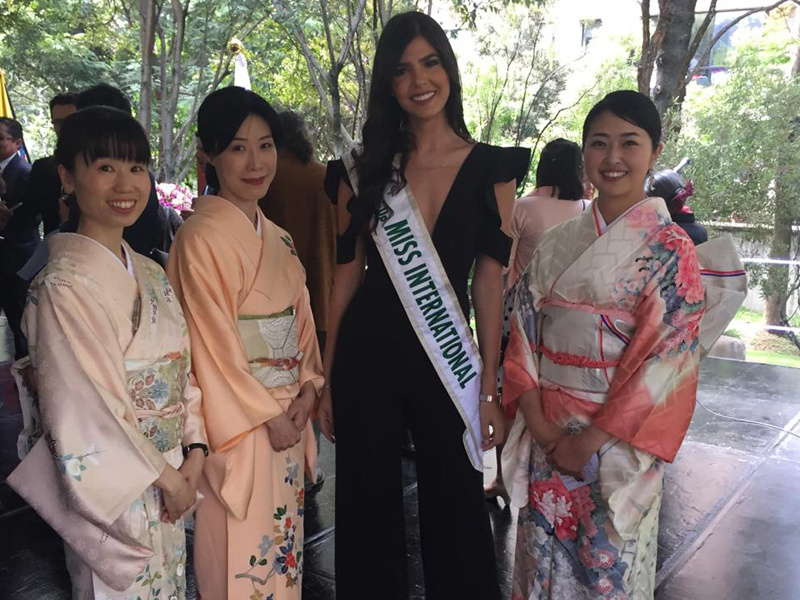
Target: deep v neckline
pixel 432 232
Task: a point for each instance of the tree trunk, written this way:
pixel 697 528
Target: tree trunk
pixel 679 20
pixel 147 39
pixel 777 284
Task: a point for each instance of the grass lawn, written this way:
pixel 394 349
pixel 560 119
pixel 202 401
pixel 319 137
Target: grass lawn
pixel 772 358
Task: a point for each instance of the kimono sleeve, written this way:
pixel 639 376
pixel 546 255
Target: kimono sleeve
pixel 310 367
pixel 103 462
pixel 652 396
pixel 194 425
pixel 208 282
pixel 520 364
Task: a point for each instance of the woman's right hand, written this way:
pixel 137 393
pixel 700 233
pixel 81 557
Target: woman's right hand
pixel 542 430
pixel 179 495
pixel 325 415
pixel 283 434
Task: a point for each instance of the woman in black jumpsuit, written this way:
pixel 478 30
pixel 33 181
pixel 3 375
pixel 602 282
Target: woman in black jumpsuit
pixel 382 381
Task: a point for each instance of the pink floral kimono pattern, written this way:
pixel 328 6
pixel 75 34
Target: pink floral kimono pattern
pixel 117 400
pixel 606 325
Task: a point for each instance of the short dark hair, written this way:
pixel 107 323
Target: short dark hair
pixel 101 132
pixel 14 127
pixel 103 94
pixel 221 115
pixel 295 136
pixel 630 106
pixel 65 99
pixel 561 166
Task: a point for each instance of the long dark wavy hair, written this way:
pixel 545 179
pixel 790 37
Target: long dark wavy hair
pixel 385 133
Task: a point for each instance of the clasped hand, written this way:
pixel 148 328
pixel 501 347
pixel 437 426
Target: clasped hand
pixel 286 429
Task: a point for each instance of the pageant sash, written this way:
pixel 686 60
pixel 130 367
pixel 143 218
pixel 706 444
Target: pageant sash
pixel 430 303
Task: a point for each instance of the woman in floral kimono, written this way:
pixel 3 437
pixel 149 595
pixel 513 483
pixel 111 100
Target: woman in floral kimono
pixel 256 360
pixel 110 351
pixel 602 365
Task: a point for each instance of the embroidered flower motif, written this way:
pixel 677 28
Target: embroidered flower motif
pixel 551 499
pixel 74 465
pixel 289 244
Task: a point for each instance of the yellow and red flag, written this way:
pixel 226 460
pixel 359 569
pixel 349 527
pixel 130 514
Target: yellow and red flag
pixel 5 101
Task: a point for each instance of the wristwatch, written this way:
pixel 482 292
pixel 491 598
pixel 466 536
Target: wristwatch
pixel 487 398
pixel 190 447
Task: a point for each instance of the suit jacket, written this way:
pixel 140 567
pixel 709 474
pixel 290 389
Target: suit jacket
pixel 21 234
pixel 42 194
pixel 296 201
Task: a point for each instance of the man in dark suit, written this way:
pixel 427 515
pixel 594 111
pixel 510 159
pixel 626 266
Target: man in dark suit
pixel 43 193
pixel 20 233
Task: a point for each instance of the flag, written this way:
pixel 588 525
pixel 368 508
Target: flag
pixel 7 110
pixel 241 78
pixel 5 101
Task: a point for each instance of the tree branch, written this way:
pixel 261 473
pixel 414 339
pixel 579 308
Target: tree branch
pixel 352 27
pixel 725 30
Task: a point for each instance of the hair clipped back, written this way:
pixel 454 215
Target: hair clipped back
pixel 630 106
pixel 561 166
pixel 101 132
pixel 221 115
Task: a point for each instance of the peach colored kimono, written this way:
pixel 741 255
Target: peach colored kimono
pixel 111 357
pixel 254 343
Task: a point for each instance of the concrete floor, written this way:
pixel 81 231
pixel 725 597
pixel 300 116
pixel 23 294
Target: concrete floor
pixel 729 525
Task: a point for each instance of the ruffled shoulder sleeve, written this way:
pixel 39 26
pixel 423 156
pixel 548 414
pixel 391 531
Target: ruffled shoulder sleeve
pixel 335 173
pixel 505 164
pixel 345 241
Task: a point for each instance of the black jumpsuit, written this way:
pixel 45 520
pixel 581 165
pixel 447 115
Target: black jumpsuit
pixel 383 382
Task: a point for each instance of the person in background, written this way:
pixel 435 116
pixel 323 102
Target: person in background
pixel 669 185
pixel 256 358
pixel 19 235
pixel 560 188
pixel 43 193
pixel 115 468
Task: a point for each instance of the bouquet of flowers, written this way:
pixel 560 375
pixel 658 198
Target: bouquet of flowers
pixel 176 196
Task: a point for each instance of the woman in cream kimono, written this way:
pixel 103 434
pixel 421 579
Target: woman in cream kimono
pixel 256 359
pixel 110 351
pixel 611 318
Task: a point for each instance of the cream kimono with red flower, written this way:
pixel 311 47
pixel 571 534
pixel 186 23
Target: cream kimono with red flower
pixel 110 351
pixel 607 325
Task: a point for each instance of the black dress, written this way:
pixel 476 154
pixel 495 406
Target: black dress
pixel 382 383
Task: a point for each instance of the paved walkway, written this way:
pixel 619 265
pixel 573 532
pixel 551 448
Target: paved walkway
pixel 729 525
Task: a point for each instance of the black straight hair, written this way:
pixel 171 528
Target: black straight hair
pixel 65 99
pixel 385 133
pixel 221 115
pixel 103 94
pixel 561 166
pixel 101 132
pixel 630 106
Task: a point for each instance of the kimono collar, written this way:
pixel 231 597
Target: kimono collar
pixel 231 217
pixel 83 248
pixel 652 206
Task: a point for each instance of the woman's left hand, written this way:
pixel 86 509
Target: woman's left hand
pixel 569 455
pixel 493 425
pixel 192 467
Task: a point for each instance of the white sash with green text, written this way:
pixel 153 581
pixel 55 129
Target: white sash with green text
pixel 431 305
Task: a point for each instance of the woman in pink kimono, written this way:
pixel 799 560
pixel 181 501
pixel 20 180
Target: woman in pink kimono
pixel 110 351
pixel 256 359
pixel 602 365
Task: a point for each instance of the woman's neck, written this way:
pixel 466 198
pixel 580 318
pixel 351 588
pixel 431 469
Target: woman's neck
pixel 611 208
pixel 110 237
pixel 431 136
pixel 248 207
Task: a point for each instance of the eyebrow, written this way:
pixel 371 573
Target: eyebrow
pixel 423 59
pixel 263 137
pixel 626 134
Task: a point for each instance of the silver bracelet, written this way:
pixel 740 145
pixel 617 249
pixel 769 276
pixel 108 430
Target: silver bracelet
pixel 487 397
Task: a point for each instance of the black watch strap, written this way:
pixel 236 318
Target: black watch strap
pixel 190 447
